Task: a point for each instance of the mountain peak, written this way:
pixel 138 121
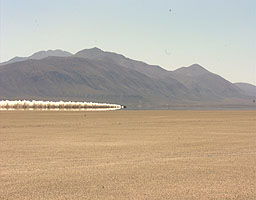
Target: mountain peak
pixel 192 70
pixel 43 54
pixel 39 55
pixel 89 52
pixel 197 67
pixel 96 53
pixel 95 49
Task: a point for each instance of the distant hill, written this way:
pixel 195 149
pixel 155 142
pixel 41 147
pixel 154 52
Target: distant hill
pixel 96 75
pixel 247 88
pixel 206 85
pixel 39 55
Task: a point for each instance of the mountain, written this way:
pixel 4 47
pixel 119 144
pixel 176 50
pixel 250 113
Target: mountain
pixel 83 79
pixel 96 75
pixel 247 88
pixel 206 85
pixel 39 55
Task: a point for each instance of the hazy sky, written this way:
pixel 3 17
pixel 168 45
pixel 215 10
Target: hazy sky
pixel 217 34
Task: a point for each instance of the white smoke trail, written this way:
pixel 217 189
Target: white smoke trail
pixel 56 105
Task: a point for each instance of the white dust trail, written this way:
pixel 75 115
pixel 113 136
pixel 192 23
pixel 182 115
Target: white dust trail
pixel 56 105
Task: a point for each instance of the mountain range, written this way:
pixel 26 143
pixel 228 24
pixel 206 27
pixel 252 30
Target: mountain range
pixel 39 55
pixel 99 76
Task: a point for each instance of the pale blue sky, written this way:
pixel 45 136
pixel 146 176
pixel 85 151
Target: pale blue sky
pixel 219 34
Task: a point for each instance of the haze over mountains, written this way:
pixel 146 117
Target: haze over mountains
pixel 96 75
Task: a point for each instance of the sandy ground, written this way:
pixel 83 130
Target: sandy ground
pixel 128 155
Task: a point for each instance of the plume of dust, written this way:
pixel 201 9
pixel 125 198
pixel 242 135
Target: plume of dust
pixel 55 105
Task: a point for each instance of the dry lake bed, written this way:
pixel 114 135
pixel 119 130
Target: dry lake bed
pixel 127 155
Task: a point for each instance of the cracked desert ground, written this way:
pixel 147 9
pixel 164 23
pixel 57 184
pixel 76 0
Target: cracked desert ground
pixel 127 155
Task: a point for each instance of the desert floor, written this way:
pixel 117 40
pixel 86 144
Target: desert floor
pixel 128 155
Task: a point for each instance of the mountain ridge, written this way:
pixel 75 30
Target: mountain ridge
pixel 96 75
pixel 39 55
pixel 247 88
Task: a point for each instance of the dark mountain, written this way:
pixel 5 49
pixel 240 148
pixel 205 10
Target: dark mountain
pixel 39 55
pixel 95 75
pixel 247 88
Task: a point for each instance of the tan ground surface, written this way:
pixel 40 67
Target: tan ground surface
pixel 128 155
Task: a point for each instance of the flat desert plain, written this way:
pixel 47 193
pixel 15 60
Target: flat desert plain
pixel 128 155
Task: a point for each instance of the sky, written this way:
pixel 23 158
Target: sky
pixel 219 35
